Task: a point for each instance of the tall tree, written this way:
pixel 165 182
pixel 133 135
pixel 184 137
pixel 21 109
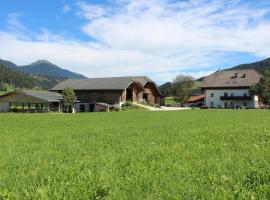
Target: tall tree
pixel 262 89
pixel 182 87
pixel 69 98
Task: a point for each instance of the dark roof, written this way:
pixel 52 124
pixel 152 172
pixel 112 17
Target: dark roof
pixel 112 83
pixel 42 95
pixel 142 79
pixel 46 95
pixel 231 79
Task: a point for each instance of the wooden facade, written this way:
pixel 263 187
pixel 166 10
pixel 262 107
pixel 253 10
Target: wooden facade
pixel 134 93
pixel 113 91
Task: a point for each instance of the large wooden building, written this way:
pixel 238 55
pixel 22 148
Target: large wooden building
pixel 113 91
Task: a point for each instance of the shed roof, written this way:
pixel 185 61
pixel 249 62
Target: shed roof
pixel 42 95
pixel 196 98
pixel 112 83
pixel 46 95
pixel 231 79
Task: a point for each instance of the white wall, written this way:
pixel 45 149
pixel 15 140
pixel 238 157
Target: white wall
pixel 236 92
pixel 4 107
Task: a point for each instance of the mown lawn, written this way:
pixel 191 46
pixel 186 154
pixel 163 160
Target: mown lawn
pixel 170 100
pixel 194 154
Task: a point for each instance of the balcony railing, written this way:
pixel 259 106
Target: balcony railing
pixel 240 98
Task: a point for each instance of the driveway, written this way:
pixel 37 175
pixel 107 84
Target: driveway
pixel 163 108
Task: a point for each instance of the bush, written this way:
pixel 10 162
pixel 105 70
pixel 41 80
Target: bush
pixel 129 106
pixel 157 106
pixel 204 107
pixel 128 103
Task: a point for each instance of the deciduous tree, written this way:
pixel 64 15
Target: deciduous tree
pixel 182 87
pixel 69 98
pixel 262 89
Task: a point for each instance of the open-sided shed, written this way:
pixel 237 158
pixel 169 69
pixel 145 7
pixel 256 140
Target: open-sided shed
pixel 30 101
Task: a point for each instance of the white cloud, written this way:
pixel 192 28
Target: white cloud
pixel 159 38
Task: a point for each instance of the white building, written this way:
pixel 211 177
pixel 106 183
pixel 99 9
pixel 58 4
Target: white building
pixel 230 89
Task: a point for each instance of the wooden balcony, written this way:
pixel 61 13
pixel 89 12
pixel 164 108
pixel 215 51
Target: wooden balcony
pixel 236 98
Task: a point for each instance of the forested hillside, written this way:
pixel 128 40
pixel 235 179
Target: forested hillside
pixel 261 66
pixel 10 77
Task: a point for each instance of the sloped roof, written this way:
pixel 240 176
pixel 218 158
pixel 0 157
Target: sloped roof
pixel 142 79
pixel 231 79
pixel 196 98
pixel 42 95
pixel 46 95
pixel 112 83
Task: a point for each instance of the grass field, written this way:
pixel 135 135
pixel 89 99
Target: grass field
pixel 194 154
pixel 170 101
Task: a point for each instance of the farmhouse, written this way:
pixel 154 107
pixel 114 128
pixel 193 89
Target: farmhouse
pixel 230 88
pixel 30 101
pixel 111 91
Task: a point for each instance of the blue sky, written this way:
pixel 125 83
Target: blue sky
pixel 158 38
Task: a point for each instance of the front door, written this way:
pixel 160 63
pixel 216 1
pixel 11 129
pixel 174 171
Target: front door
pixel 129 94
pixel 145 97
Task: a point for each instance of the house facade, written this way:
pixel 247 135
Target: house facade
pixel 230 89
pixel 110 91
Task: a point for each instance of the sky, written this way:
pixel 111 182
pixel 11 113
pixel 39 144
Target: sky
pixel 157 38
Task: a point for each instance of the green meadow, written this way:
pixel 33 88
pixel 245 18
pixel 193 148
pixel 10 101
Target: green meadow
pixel 193 154
pixel 170 100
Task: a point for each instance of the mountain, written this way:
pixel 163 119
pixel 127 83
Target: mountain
pixel 8 64
pixel 17 79
pixel 261 66
pixel 44 67
pixel 166 89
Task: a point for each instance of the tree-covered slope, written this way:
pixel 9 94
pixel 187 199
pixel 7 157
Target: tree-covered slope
pixel 261 66
pixel 44 67
pixel 19 79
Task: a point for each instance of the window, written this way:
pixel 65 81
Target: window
pixel 212 103
pixel 245 94
pixel 232 104
pixel 245 104
pixel 212 94
pixel 225 94
pixel 232 94
pixel 225 104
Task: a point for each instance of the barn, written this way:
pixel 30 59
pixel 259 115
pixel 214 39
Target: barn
pixel 111 91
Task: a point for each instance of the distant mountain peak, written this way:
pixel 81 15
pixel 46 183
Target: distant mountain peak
pixel 42 62
pixel 43 68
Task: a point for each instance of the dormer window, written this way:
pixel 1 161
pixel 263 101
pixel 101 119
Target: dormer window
pixel 235 76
